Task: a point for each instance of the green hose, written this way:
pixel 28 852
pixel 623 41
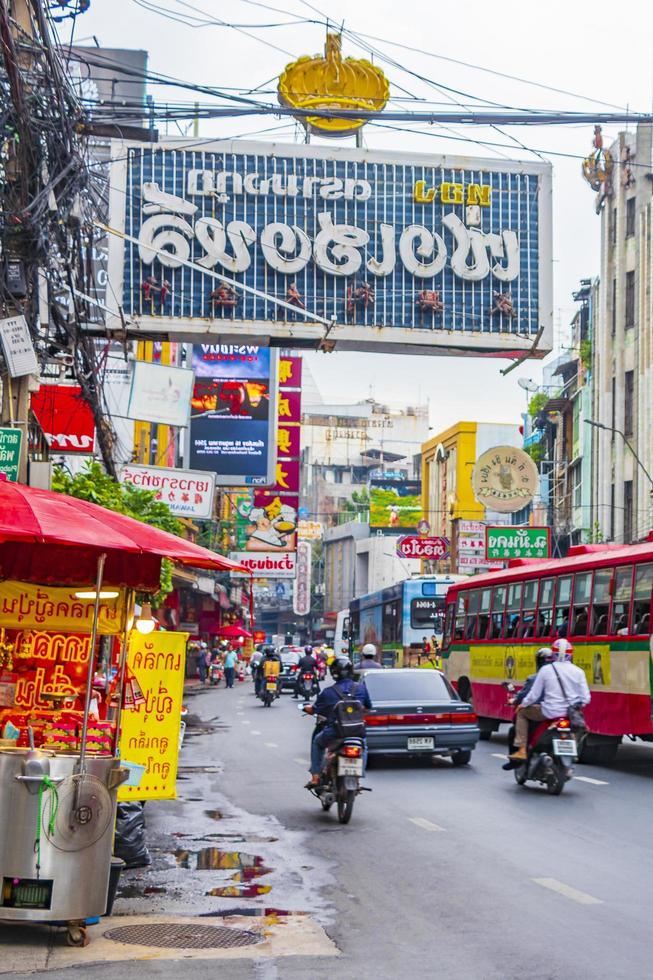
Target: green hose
pixel 46 783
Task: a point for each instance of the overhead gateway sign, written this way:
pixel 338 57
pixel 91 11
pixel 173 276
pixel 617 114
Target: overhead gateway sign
pixel 389 252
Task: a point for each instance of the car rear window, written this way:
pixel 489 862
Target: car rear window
pixel 427 685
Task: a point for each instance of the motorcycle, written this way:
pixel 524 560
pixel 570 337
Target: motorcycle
pixel 340 780
pixel 307 685
pixel 552 750
pixel 216 674
pixel 269 690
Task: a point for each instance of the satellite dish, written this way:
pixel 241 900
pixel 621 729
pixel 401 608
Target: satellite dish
pixel 527 384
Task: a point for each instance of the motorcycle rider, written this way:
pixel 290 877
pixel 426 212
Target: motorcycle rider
pixel 557 686
pixel 307 664
pixel 324 732
pixel 540 661
pixel 269 655
pixel 368 659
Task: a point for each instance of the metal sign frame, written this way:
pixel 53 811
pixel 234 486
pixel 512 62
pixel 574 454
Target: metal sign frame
pixel 406 225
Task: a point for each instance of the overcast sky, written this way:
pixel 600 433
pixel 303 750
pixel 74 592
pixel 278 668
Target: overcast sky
pixel 573 47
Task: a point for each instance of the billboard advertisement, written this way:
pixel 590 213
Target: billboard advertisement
pixel 395 505
pixel 234 413
pixel 398 252
pixel 160 393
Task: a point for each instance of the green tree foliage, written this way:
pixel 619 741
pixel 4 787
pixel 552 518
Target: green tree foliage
pixel 93 484
pixel 586 353
pixel 357 508
pixel 536 451
pixel 537 403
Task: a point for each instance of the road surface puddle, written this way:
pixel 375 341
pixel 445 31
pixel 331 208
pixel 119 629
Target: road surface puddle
pixel 215 859
pixel 239 891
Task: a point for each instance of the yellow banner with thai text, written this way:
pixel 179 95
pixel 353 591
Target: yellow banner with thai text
pixel 149 733
pixel 514 662
pixel 25 606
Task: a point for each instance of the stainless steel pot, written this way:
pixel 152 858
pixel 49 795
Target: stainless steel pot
pixel 65 877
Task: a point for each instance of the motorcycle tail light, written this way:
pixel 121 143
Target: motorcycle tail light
pixel 352 751
pixel 564 723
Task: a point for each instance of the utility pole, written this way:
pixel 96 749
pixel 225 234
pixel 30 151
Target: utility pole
pixel 16 25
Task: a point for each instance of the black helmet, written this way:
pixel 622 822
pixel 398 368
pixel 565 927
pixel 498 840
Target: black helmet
pixel 308 650
pixel 544 656
pixel 341 669
pixel 268 650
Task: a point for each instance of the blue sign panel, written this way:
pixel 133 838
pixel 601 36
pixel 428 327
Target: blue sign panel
pixel 414 250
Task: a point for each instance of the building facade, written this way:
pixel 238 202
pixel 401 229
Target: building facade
pixel 623 348
pixel 447 463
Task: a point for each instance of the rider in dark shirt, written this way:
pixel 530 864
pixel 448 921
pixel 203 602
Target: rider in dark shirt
pixel 325 703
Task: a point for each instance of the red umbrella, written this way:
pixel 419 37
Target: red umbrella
pixel 234 633
pixel 52 538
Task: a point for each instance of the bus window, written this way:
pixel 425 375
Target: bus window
pixel 472 609
pixel 529 602
pixel 545 612
pixel 563 606
pixel 498 606
pixel 623 585
pixel 601 601
pixel 460 617
pixel 447 633
pixel 582 594
pixel 484 614
pixel 513 609
pixel 391 622
pixel 642 597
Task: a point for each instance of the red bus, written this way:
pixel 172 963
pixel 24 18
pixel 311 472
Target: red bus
pixel 599 597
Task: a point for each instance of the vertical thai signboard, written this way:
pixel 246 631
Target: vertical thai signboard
pixel 10 443
pixel 301 595
pixel 149 733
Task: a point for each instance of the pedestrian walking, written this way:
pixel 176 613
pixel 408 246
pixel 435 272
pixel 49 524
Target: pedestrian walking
pixel 203 662
pixel 230 659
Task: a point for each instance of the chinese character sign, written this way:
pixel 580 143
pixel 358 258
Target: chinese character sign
pixel 149 733
pixel 389 249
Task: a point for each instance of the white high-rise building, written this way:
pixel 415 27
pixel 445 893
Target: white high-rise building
pixel 623 342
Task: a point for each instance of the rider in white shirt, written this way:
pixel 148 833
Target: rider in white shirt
pixel 558 685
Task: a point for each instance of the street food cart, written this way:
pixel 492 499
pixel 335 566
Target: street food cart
pixel 69 571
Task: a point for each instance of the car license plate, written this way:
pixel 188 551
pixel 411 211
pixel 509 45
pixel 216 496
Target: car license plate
pixel 271 685
pixel 421 743
pixel 350 767
pixel 564 746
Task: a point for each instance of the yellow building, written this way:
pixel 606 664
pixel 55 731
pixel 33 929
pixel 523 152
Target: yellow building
pixel 447 463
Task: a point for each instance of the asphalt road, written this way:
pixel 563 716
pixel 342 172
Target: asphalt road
pixel 442 872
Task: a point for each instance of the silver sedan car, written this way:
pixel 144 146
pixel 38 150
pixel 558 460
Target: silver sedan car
pixel 417 712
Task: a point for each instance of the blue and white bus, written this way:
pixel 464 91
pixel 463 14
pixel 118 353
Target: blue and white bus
pixel 397 619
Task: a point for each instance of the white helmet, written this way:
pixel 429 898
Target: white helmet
pixel 369 650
